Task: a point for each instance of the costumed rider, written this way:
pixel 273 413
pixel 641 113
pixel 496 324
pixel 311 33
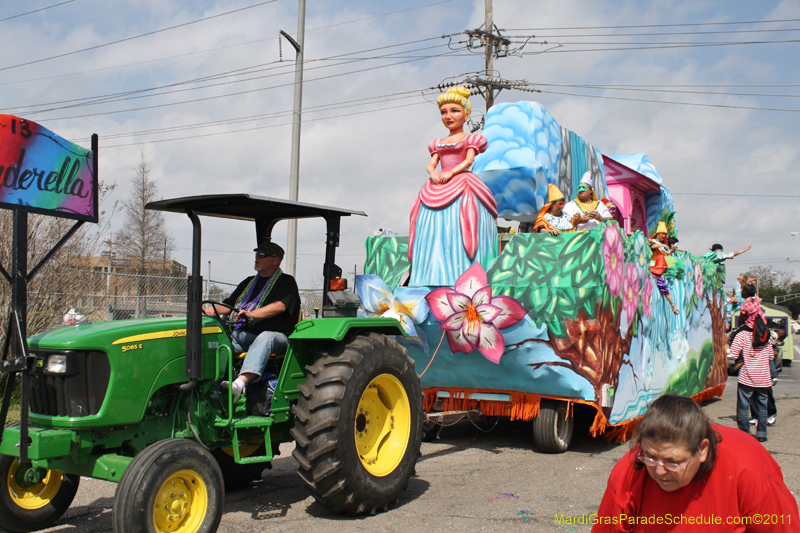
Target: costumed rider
pixel 658 264
pixel 453 220
pixel 552 218
pixel 269 308
pixel 586 211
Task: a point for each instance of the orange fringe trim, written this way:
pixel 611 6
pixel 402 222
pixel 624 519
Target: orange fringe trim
pixel 525 406
pixel 522 406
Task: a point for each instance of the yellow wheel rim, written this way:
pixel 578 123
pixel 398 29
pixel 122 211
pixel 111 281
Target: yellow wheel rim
pixel 33 496
pixel 382 425
pixel 181 503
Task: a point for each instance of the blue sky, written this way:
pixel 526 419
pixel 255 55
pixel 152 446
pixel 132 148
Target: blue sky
pixel 731 164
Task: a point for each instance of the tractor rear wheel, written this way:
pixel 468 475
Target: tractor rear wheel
pixel 172 486
pixel 359 424
pixel 33 499
pixel 552 430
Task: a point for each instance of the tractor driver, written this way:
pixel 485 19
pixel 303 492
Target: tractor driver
pixel 269 307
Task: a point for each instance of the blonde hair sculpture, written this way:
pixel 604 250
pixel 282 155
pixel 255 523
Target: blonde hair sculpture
pixel 455 95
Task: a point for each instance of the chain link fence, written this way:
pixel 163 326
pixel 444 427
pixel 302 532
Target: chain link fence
pixel 114 296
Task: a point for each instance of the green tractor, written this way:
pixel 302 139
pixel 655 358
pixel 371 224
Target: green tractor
pixel 138 402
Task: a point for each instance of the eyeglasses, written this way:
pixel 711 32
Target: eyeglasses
pixel 262 255
pixel 668 466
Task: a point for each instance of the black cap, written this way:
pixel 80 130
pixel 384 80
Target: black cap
pixel 270 248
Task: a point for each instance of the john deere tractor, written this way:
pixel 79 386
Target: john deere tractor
pixel 138 402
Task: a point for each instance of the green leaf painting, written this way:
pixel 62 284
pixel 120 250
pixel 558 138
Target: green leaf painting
pixel 387 257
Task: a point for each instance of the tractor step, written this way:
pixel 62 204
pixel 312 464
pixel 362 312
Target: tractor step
pixel 251 422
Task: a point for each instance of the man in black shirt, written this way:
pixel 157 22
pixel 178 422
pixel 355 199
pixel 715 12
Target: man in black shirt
pixel 269 308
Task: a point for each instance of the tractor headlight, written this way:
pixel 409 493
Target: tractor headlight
pixel 57 364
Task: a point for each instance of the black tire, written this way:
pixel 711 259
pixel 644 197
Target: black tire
pixel 786 362
pixel 37 506
pixel 173 464
pixel 330 411
pixel 552 429
pixel 238 476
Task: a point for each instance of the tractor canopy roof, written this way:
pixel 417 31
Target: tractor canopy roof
pixel 248 207
pixel 264 211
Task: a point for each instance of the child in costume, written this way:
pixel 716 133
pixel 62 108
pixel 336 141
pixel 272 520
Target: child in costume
pixel 658 264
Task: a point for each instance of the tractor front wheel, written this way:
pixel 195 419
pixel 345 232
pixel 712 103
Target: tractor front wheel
pixel 359 424
pixel 32 498
pixel 172 486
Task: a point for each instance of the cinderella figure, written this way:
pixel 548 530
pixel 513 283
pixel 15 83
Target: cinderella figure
pixel 453 221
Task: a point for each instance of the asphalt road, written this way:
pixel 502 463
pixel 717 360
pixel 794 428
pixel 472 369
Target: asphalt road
pixel 467 481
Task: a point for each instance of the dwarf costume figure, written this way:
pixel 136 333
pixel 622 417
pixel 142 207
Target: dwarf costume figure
pixel 658 264
pixel 552 218
pixel 586 211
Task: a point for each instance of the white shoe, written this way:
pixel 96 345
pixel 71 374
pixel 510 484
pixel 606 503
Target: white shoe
pixel 237 389
pixel 753 421
pixel 771 420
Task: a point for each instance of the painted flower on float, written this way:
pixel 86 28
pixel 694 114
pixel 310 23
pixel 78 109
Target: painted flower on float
pixel 612 259
pixel 647 297
pixel 472 317
pixel 640 256
pixel 408 306
pixel 630 292
pixel 698 281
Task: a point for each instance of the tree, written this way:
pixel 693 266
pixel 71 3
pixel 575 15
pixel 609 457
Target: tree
pixel 772 284
pixel 144 237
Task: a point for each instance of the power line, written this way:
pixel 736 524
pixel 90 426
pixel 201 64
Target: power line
pixel 263 127
pixel 115 97
pixel 135 36
pixel 36 10
pixel 650 34
pixel 726 106
pixel 653 47
pixel 657 25
pixel 638 89
pixel 250 118
pixel 167 58
pixel 157 106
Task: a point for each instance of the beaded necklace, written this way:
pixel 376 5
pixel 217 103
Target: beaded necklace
pixel 586 206
pixel 244 302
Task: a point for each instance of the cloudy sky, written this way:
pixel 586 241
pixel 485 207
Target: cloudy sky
pixel 708 89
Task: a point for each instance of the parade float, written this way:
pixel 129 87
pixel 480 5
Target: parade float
pixel 534 323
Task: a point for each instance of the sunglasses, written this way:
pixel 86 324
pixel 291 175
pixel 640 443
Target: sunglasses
pixel 669 467
pixel 262 255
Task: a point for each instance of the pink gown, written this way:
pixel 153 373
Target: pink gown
pixel 453 224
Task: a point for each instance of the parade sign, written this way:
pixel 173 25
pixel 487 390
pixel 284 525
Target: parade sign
pixel 44 173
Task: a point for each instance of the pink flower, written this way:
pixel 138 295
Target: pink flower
pixel 698 281
pixel 612 259
pixel 472 317
pixel 630 291
pixel 647 297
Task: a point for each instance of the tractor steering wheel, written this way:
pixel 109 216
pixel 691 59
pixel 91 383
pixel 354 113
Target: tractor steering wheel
pixel 225 322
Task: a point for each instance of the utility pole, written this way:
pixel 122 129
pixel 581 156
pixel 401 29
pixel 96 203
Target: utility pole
pixel 489 40
pixel 489 25
pixel 294 172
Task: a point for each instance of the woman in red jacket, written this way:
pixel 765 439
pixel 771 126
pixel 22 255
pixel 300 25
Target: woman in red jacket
pixel 685 474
